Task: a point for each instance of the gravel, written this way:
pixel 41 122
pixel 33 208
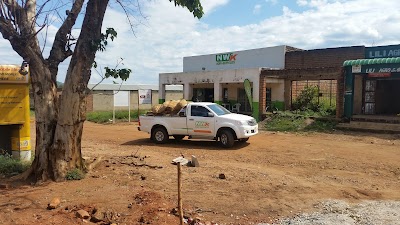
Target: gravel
pixel 339 212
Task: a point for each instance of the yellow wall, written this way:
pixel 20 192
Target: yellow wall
pixel 14 106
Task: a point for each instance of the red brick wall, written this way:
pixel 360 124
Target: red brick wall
pixel 330 57
pixel 289 75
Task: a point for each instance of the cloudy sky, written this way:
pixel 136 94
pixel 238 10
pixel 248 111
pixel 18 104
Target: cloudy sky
pixel 165 33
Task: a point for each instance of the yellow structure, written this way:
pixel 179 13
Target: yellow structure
pixel 14 111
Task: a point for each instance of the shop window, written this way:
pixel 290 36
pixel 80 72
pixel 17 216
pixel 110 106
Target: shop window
pixel 203 95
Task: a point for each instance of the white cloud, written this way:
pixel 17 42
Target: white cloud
pixel 210 5
pixel 170 33
pixel 272 2
pixel 257 9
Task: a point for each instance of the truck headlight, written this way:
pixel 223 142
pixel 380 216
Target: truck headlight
pixel 251 122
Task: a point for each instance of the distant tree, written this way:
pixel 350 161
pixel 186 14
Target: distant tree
pixel 59 120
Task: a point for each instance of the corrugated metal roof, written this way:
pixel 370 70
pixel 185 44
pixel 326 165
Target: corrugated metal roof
pixel 132 87
pixel 371 61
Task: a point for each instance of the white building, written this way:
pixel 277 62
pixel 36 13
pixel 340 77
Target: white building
pixel 219 77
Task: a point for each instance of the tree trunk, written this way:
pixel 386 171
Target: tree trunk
pixel 58 126
pixel 45 98
pixel 66 151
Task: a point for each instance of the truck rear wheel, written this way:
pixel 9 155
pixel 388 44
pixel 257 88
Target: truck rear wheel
pixel 160 135
pixel 226 138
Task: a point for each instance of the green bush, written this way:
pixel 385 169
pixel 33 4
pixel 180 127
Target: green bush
pixel 307 99
pixel 107 116
pixel 299 121
pixel 75 174
pixel 10 166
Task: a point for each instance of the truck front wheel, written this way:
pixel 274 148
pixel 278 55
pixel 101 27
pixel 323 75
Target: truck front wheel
pixel 226 139
pixel 160 135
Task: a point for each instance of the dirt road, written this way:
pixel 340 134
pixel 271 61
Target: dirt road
pixel 272 176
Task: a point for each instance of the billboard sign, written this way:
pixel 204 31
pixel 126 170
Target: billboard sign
pixel 13 74
pixel 121 98
pixel 226 58
pixel 145 96
pixel 389 51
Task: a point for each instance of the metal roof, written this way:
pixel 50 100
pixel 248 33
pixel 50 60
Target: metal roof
pixel 132 87
pixel 371 61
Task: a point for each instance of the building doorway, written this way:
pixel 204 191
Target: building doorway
pixel 203 95
pixel 243 100
pixel 380 97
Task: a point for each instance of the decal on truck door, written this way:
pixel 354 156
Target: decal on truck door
pixel 202 124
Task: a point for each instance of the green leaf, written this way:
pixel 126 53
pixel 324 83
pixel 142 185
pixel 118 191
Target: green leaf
pixel 194 6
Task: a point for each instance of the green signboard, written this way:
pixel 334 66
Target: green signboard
pixel 388 51
pixel 377 68
pixel 226 58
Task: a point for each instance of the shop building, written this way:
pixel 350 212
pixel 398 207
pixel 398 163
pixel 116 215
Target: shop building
pixel 353 80
pixel 372 84
pixel 220 77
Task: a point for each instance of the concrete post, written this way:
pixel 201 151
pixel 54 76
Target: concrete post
pixel 187 91
pixel 161 93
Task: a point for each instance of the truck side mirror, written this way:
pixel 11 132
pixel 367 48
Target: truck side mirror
pixel 181 114
pixel 210 114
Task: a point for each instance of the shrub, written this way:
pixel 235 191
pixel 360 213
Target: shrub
pixel 10 166
pixel 299 121
pixel 75 174
pixel 307 99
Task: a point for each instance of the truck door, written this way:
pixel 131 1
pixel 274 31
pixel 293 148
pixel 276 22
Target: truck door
pixel 178 124
pixel 200 123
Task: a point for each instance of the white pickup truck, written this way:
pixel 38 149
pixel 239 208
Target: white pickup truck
pixel 200 120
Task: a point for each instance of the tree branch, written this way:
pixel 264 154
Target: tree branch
pixel 58 52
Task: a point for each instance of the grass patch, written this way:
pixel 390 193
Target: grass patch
pixel 299 121
pixel 11 167
pixel 75 174
pixel 107 116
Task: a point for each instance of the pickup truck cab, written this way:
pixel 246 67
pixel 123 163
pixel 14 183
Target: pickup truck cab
pixel 200 120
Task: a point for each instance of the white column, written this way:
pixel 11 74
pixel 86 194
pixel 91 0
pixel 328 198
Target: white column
pixel 217 92
pixel 187 91
pixel 256 90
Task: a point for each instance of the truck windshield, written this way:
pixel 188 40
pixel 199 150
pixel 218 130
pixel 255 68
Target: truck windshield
pixel 219 110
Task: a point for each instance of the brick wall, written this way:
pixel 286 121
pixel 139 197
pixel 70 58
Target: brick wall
pixel 330 57
pixel 317 64
pixel 289 75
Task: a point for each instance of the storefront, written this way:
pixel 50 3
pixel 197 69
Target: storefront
pixel 220 77
pixel 372 85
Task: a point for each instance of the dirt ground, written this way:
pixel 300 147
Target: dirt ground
pixel 274 175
